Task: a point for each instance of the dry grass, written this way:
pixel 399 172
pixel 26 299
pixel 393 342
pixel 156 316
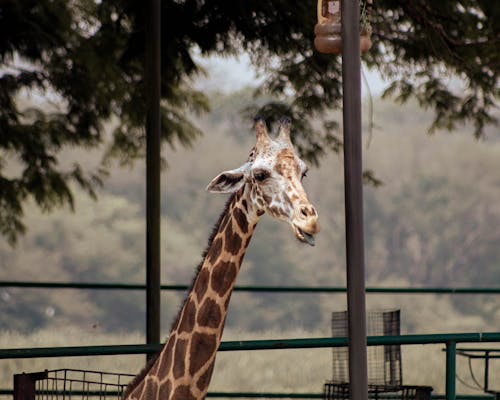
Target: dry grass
pixel 277 370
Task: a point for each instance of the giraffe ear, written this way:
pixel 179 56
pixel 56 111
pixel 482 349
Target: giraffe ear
pixel 228 181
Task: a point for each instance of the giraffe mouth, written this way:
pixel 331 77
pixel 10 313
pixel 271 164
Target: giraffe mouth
pixel 304 236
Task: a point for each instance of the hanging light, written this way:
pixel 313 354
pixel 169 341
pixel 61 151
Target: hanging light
pixel 328 30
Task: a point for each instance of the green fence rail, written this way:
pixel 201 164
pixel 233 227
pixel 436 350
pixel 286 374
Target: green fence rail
pixel 247 345
pixel 252 288
pixel 449 340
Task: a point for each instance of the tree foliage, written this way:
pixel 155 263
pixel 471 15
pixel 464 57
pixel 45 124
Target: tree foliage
pixel 87 56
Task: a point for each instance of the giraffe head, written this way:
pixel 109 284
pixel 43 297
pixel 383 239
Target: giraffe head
pixel 272 177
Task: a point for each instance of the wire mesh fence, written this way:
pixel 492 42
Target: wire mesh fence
pixel 375 392
pixel 385 373
pixel 70 384
pixel 384 362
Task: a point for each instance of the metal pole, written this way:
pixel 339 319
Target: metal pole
pixel 486 370
pixel 451 370
pixel 351 86
pixel 153 147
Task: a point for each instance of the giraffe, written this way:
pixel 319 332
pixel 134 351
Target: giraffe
pixel 269 181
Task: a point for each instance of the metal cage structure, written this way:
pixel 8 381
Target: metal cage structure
pixel 70 384
pixel 385 373
pixel 384 362
pixel 403 392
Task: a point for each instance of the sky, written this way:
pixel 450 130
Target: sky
pixel 228 74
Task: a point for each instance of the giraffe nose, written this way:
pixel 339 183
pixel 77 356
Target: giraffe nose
pixel 308 211
pixel 306 219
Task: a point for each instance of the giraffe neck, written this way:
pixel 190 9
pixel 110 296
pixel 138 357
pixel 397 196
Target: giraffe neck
pixel 184 367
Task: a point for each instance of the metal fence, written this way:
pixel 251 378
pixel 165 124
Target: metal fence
pixel 449 340
pixel 253 288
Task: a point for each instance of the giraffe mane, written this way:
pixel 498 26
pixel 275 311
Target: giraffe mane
pixel 139 377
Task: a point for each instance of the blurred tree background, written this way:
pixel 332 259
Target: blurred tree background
pixel 70 68
pixel 435 221
pixel 71 126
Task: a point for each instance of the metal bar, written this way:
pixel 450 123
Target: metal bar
pixel 78 351
pixel 371 341
pixel 351 87
pixel 478 357
pixel 274 344
pixel 451 369
pixel 486 370
pixel 247 288
pixel 465 350
pixel 153 149
pixel 250 395
pixel 435 338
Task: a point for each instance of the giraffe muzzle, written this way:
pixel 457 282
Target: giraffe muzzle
pixel 305 237
pixel 306 228
pixel 305 223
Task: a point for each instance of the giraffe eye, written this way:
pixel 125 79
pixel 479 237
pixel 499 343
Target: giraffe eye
pixel 304 174
pixel 261 175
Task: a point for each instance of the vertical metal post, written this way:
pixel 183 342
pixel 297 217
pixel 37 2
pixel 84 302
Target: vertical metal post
pixel 153 147
pixel 351 86
pixel 451 370
pixel 25 385
pixel 486 370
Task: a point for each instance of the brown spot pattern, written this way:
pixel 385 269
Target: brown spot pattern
pixel 154 367
pixel 188 317
pixel 277 211
pixel 241 219
pixel 288 201
pixel 215 249
pixel 282 165
pixel 182 393
pixel 233 241
pixel 240 261
pixel 140 387
pixel 223 277
pixel 165 389
pixel 203 346
pixel 204 380
pixel 244 204
pixel 225 220
pixel 166 360
pixel 179 364
pixel 209 314
pixel 278 167
pixel 201 285
pixel 151 389
pixel 247 242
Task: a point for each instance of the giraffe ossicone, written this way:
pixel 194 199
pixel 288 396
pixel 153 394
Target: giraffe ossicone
pixel 270 181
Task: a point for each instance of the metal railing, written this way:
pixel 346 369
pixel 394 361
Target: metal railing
pixel 251 288
pixel 449 340
pixel 274 395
